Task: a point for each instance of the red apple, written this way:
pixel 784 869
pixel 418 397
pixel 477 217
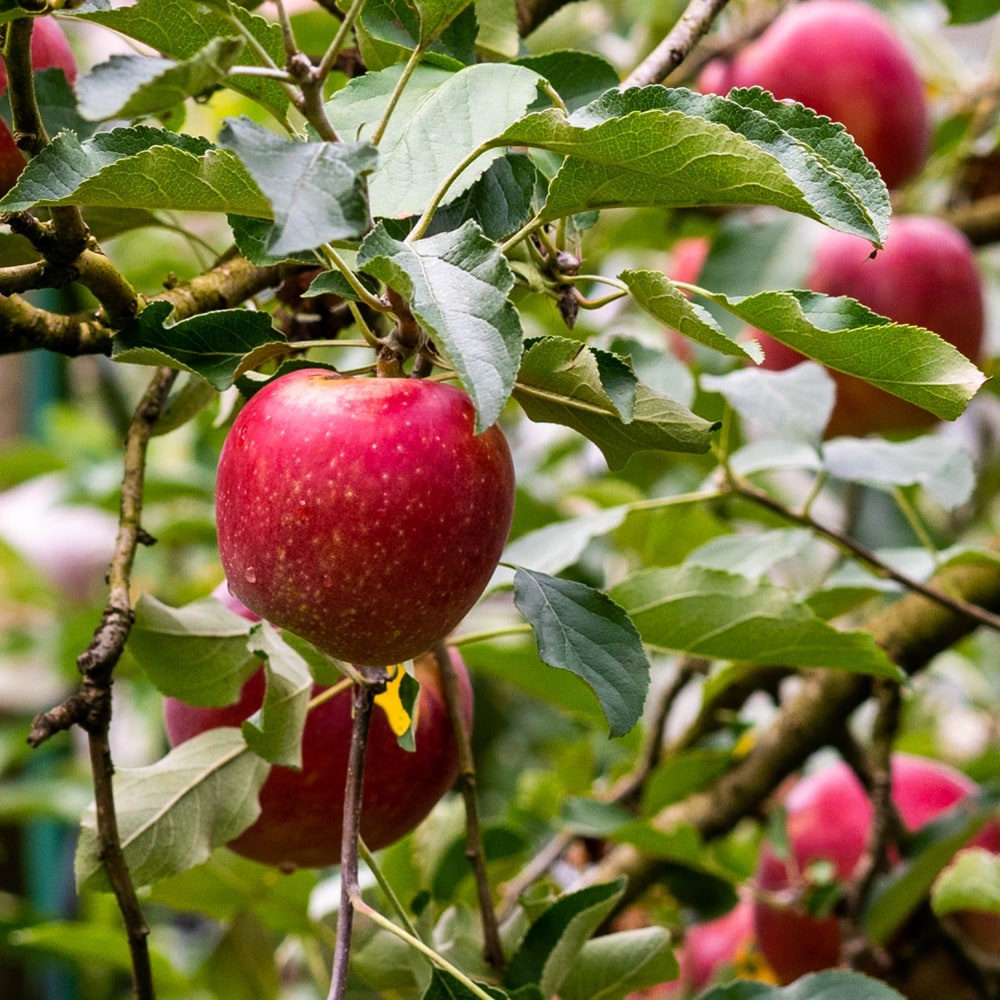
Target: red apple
pixel 843 59
pixel 828 819
pixel 49 49
pixel 363 514
pixel 302 812
pixel 927 276
pixel 709 950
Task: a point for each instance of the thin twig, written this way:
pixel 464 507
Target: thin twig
pixel 474 850
pixel 362 700
pixel 671 52
pixel 865 555
pixel 91 707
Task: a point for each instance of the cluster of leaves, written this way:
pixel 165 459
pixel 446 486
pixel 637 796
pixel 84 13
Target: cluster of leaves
pixel 462 178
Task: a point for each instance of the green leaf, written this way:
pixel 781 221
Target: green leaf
pixel 137 86
pixel 579 629
pixel 669 146
pixel 445 986
pixel 516 665
pixel 497 38
pixel 450 116
pixel 587 817
pixel 970 882
pixel 389 30
pixel 752 555
pixel 828 985
pixel 173 813
pixel 180 29
pixel 664 301
pixel 241 965
pixel 793 405
pixel 436 15
pixel 96 949
pixel 613 965
pixel 500 202
pixel 578 77
pixel 682 775
pixel 682 845
pixel 316 189
pixel 276 733
pixel 708 612
pixel 559 545
pixel 457 284
pixel 197 653
pixel 940 465
pixel 218 346
pixel 970 11
pixel 908 361
pixel 552 943
pixel 897 894
pixel 227 884
pixel 137 167
pixel 564 382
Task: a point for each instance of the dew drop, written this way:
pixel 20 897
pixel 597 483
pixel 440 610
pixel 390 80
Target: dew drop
pixel 250 574
pixel 327 580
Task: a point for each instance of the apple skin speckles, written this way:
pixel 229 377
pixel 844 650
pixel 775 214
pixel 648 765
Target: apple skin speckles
pixel 368 532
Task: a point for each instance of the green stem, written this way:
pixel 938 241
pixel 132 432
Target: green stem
pixel 335 47
pixel 372 301
pixel 486 634
pixel 428 214
pixel 397 92
pixel 386 887
pixel 360 906
pixel 525 231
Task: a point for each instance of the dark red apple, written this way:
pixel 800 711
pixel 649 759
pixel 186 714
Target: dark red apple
pixel 302 812
pixel 49 49
pixel 926 276
pixel 843 59
pixel 828 819
pixel 363 514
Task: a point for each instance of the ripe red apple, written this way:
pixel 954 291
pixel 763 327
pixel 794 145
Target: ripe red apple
pixel 302 812
pixel 828 819
pixel 362 513
pixel 709 949
pixel 927 276
pixel 843 59
pixel 49 49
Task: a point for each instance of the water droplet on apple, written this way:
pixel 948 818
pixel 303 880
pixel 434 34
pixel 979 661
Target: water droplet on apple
pixel 250 574
pixel 327 580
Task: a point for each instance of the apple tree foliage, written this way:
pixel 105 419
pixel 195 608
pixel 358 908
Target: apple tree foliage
pixel 700 592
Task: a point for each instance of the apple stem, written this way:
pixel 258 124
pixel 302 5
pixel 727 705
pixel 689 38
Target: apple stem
pixel 362 700
pixel 474 852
